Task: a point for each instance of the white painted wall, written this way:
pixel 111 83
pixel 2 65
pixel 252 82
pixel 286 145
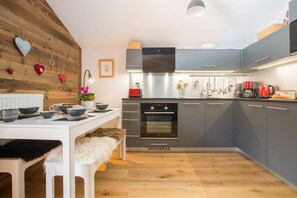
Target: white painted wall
pixel 285 77
pixel 107 90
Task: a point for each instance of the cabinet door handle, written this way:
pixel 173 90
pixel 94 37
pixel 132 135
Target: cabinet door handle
pixel 130 119
pixel 278 108
pixel 215 104
pixel 208 66
pixel 130 112
pixel 191 103
pixel 133 136
pixel 263 59
pixel 255 106
pixel 158 113
pixel 159 144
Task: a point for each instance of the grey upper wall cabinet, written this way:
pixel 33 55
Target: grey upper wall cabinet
pixel 269 49
pixel 251 129
pixel 134 59
pixel 191 123
pixel 219 123
pixel 293 10
pixel 208 59
pixel 282 139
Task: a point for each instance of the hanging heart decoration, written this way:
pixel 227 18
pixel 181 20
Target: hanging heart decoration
pixel 39 69
pixel 10 70
pixel 23 45
pixel 62 78
pixel 71 90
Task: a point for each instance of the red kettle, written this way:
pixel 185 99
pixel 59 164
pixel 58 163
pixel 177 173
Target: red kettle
pixel 266 91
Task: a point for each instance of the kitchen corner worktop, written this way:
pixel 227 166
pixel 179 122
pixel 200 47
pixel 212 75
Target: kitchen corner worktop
pixel 193 98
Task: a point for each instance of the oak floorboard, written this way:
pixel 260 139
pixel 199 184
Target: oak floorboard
pixel 202 175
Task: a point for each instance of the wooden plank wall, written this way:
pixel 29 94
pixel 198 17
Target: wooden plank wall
pixel 47 35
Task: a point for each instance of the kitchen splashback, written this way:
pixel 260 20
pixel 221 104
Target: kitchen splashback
pixel 164 85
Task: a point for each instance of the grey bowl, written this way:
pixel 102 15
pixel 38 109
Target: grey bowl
pixel 101 106
pixel 47 114
pixel 29 110
pixel 76 111
pixel 64 108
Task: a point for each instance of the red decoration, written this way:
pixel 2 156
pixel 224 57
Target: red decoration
pixel 62 78
pixel 39 69
pixel 10 70
pixel 71 90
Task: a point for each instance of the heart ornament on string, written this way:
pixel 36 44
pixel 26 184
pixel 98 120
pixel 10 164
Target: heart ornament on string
pixel 23 45
pixel 10 70
pixel 39 69
pixel 62 78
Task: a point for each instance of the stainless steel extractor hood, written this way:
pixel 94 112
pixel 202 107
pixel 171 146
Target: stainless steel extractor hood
pixel 158 60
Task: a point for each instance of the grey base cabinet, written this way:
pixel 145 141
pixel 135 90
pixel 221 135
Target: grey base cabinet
pixel 131 121
pixel 251 129
pixel 282 139
pixel 191 123
pixel 219 123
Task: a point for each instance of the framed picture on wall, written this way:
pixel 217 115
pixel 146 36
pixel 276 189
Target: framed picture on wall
pixel 106 68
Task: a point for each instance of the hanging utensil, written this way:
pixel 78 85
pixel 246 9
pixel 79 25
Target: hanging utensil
pixel 230 86
pixel 214 84
pixel 220 90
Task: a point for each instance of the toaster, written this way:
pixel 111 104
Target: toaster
pixel 135 93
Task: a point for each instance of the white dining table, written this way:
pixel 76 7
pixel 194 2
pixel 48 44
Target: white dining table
pixel 39 128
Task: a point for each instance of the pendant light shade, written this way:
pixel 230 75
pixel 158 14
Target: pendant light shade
pixel 196 8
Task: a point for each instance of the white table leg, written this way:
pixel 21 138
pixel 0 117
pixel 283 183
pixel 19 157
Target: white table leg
pixel 68 168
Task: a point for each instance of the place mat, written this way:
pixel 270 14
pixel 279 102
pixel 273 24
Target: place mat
pixel 26 116
pixel 74 118
pixel 100 111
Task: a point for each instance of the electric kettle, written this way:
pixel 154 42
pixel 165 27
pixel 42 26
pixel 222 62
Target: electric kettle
pixel 266 91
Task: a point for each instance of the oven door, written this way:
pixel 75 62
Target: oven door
pixel 159 124
pixel 293 38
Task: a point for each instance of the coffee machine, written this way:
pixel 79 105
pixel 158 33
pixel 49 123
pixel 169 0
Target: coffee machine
pixel 249 89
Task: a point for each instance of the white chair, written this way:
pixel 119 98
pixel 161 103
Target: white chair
pixel 90 153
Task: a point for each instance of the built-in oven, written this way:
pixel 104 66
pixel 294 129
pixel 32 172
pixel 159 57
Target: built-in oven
pixel 158 121
pixel 293 38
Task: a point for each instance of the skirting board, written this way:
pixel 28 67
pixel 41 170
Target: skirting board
pixel 184 149
pixel 218 149
pixel 269 170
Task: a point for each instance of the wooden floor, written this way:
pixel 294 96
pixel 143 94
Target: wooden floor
pixel 200 175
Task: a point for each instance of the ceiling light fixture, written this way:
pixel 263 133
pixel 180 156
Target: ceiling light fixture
pixel 196 8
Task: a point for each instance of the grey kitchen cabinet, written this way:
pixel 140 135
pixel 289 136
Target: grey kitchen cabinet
pixel 251 129
pixel 269 49
pixel 191 123
pixel 219 121
pixel 293 11
pixel 134 59
pixel 282 139
pixel 131 121
pixel 208 59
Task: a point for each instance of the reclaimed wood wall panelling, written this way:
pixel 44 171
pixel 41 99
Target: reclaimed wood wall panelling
pixel 47 35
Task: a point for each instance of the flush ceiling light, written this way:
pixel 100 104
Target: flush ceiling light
pixel 196 8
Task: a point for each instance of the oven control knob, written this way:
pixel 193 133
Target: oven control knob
pixel 152 107
pixel 165 108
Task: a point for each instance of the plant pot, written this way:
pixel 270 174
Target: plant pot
pixel 88 104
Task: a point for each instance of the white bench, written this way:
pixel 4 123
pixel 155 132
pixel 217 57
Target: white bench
pixel 86 164
pixel 15 163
